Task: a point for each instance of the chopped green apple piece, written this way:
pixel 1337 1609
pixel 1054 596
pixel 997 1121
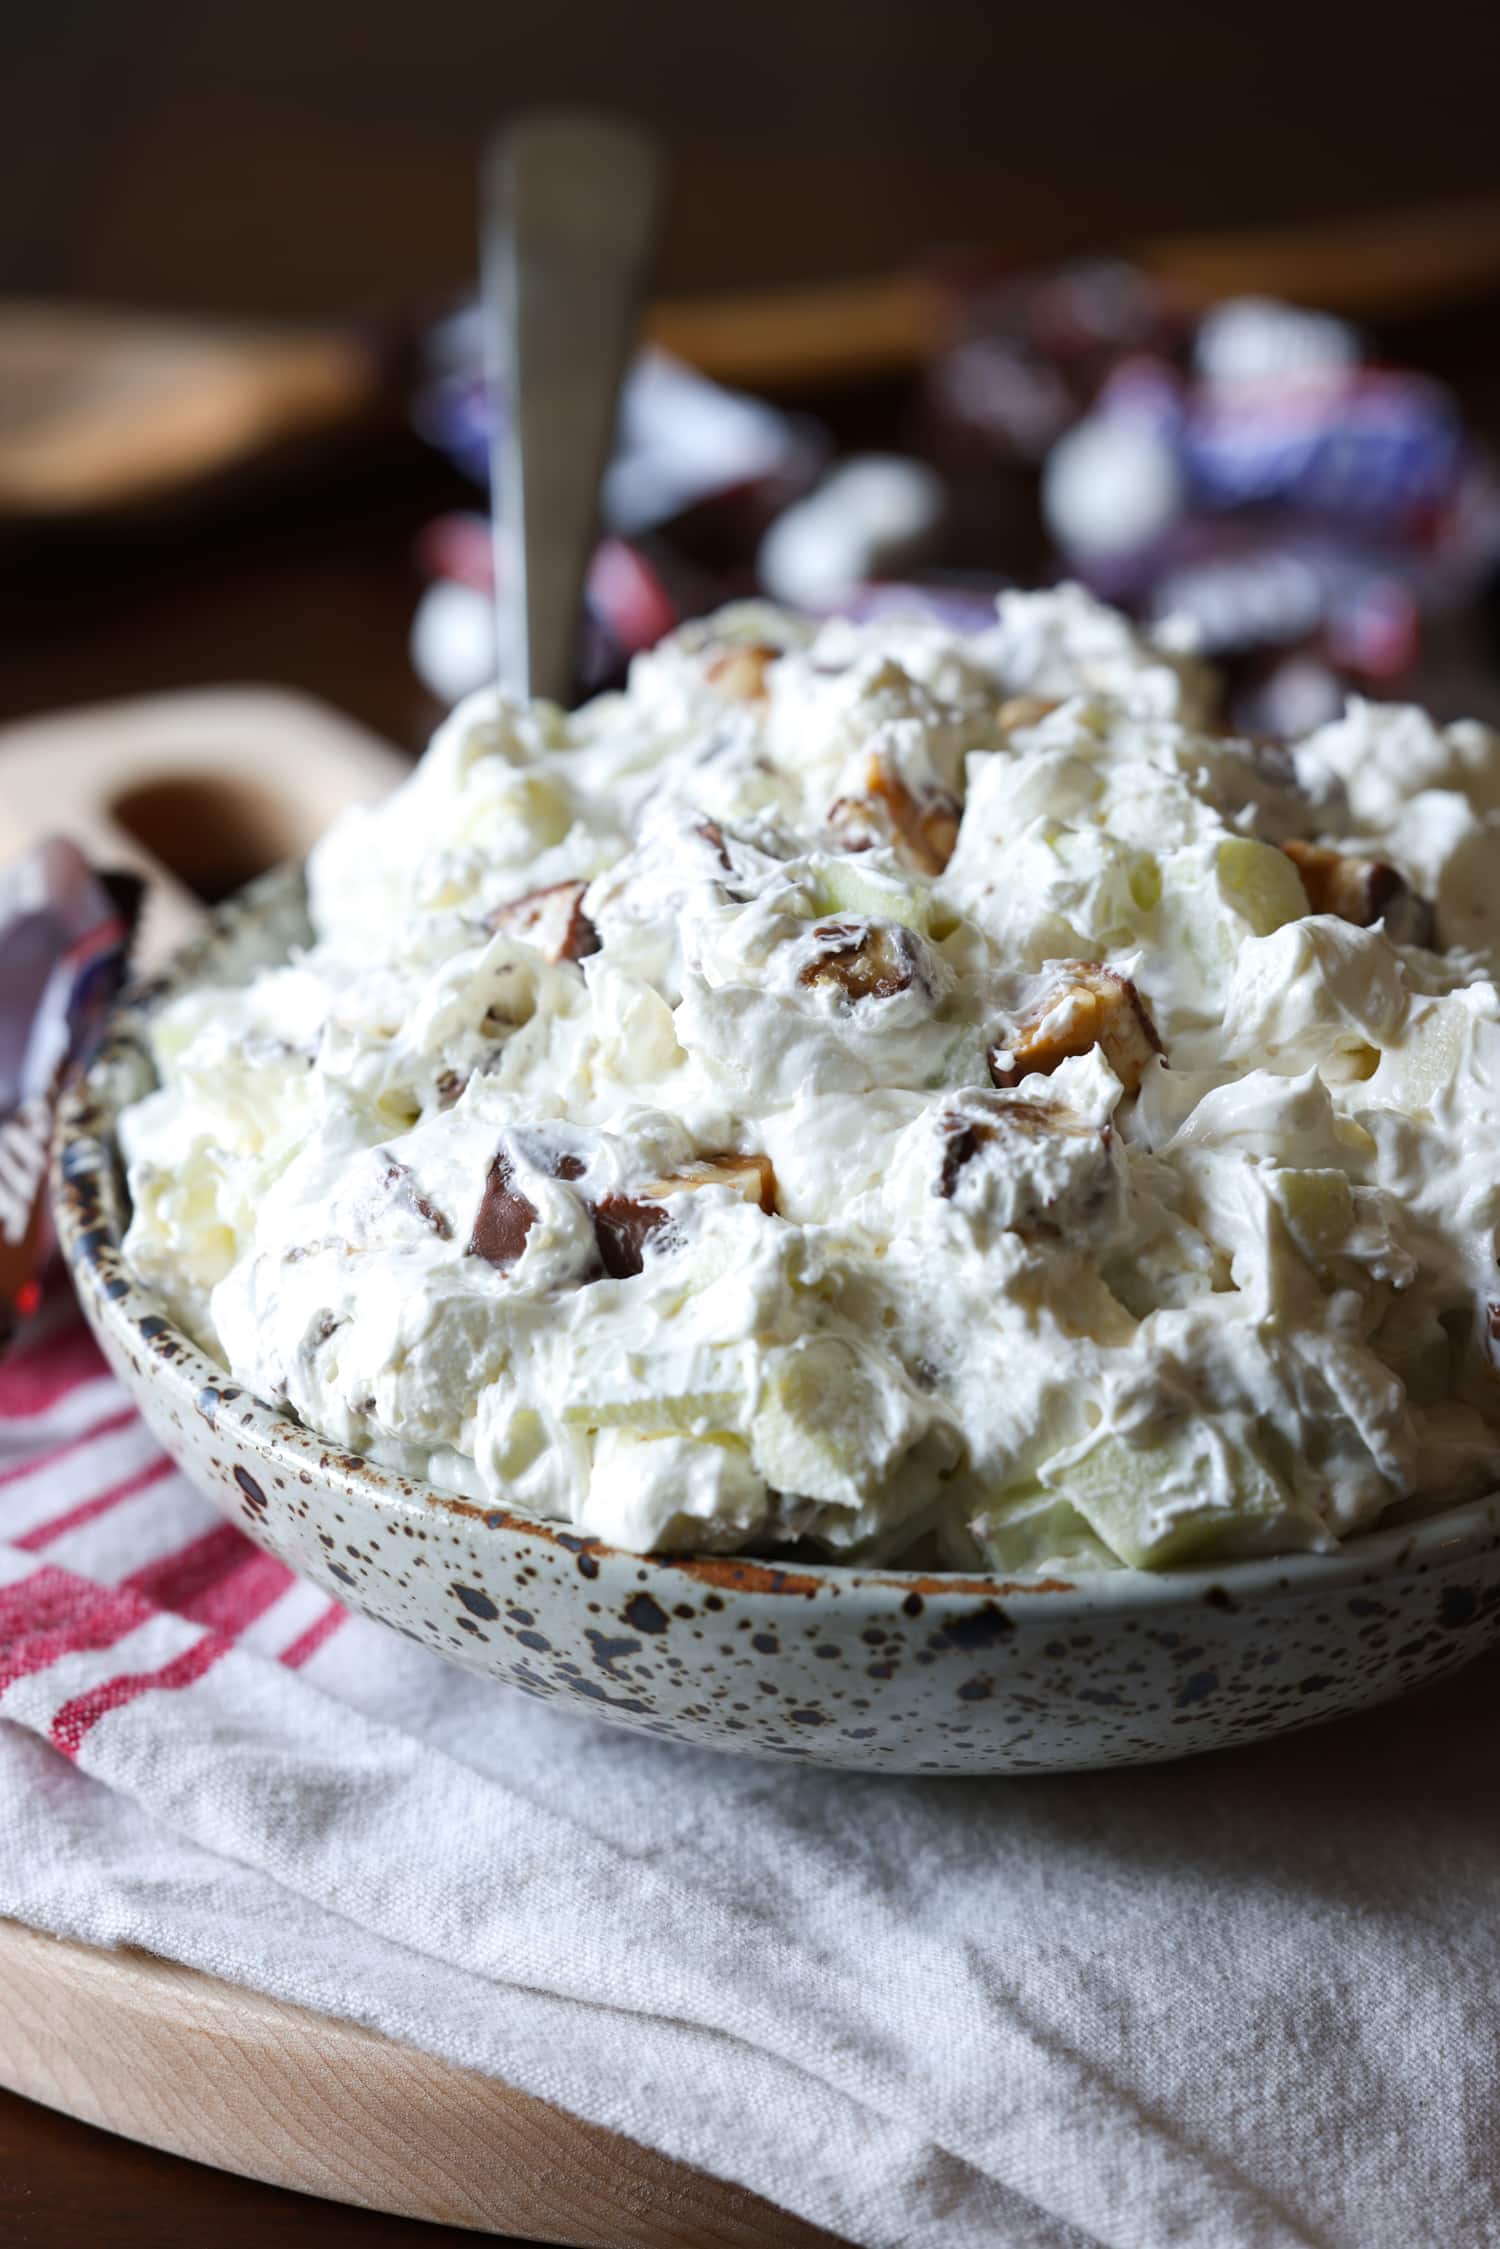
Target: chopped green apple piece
pixel 1259 881
pixel 819 1428
pixel 1414 1073
pixel 1127 881
pixel 1190 1497
pixel 1318 1207
pixel 1145 882
pixel 694 1413
pixel 1028 1527
pixel 843 887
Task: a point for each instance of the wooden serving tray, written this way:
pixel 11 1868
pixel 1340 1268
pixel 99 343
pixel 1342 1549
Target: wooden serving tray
pixel 163 2054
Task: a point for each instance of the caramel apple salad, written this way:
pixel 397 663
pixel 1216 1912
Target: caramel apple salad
pixel 927 1096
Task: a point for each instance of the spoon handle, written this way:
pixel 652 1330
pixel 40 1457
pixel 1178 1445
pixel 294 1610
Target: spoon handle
pixel 571 205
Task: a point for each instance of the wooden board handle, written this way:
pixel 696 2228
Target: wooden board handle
pixel 163 2054
pixel 198 791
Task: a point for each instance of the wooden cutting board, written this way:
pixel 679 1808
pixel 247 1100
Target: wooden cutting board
pixel 163 2054
pixel 205 789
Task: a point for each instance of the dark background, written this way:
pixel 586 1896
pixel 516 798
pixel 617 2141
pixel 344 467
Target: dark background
pixel 312 156
pixel 317 158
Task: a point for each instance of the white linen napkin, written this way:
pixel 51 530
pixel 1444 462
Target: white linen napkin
pixel 1248 2000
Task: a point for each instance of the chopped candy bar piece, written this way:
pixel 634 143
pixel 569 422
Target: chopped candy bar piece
pixel 926 825
pixel 398 1178
pixel 921 826
pixel 1032 1167
pixel 1362 891
pixel 551 920
pixel 503 1220
pixel 739 673
pixel 751 1176
pixel 964 1137
pixel 1024 710
pixel 622 1228
pixel 1082 1007
pixel 863 960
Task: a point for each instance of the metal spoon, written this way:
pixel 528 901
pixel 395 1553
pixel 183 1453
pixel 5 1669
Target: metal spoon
pixel 571 204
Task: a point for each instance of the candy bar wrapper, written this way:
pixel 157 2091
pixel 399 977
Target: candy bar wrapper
pixel 65 934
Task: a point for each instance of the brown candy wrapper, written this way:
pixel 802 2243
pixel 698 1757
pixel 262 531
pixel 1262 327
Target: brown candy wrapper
pixel 65 934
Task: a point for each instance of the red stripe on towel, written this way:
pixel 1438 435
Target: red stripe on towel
pixel 43 1534
pixel 243 1594
pixel 77 1719
pixel 308 1643
pixel 96 1429
pixel 219 1580
pixel 53 1614
pixel 32 1380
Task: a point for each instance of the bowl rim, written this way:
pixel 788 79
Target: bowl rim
pixel 88 1211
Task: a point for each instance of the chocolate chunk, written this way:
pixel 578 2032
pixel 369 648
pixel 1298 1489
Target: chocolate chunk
pixel 1036 1213
pixel 622 1228
pixel 961 1144
pixel 503 1220
pixel 569 1167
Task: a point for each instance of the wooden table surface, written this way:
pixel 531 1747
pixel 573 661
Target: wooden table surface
pixel 66 2186
pixel 310 588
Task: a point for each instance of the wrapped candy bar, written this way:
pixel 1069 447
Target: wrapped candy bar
pixel 1317 515
pixel 1378 449
pixel 65 936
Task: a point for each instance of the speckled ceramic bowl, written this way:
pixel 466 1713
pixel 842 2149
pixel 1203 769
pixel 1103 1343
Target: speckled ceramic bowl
pixel 878 1669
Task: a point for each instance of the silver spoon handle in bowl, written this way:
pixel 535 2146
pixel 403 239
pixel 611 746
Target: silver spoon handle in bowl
pixel 571 208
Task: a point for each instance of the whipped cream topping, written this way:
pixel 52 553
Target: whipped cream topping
pixel 926 1095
